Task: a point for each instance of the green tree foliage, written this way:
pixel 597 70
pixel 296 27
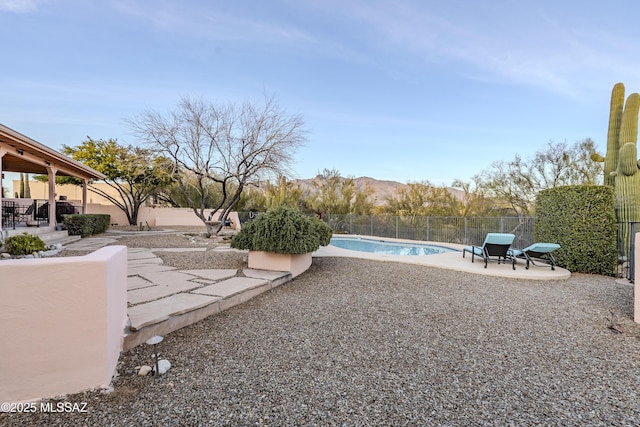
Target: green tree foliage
pixel 517 182
pixel 330 193
pixel 422 199
pixel 409 201
pixel 134 173
pixel 269 196
pixel 474 202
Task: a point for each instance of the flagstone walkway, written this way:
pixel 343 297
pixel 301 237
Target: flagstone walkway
pixel 162 299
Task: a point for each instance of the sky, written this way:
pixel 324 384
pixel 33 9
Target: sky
pixel 397 90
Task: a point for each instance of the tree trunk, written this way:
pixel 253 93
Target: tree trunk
pixel 225 212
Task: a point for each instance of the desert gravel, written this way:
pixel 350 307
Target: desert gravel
pixel 363 343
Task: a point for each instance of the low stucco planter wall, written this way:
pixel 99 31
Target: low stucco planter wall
pixel 158 217
pixel 636 283
pixel 62 323
pixel 295 264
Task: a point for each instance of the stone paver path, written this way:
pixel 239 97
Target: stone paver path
pixel 162 299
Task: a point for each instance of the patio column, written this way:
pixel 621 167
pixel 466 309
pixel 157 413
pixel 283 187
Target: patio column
pixel 3 151
pixel 51 172
pixel 85 183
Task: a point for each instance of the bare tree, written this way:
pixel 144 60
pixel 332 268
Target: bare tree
pixel 231 145
pixel 518 181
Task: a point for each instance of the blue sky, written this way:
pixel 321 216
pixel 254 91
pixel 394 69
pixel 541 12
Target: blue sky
pixel 400 90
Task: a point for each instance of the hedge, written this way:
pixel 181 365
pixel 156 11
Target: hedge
pixel 86 224
pixel 582 220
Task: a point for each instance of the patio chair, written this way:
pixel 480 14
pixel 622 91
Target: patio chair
pixel 538 251
pixel 26 215
pixel 496 245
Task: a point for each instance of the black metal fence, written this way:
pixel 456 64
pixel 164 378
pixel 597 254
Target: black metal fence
pixel 27 212
pixel 462 230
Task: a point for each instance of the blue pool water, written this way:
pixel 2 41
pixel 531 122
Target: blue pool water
pixel 386 247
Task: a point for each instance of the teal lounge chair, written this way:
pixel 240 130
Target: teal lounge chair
pixel 495 245
pixel 538 251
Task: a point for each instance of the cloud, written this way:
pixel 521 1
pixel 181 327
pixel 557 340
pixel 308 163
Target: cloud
pixel 18 6
pixel 545 45
pixel 205 20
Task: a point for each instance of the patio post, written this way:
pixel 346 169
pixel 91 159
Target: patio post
pixel 51 172
pixel 3 151
pixel 85 183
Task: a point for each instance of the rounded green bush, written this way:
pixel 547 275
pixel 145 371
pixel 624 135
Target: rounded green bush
pixel 283 230
pixel 24 244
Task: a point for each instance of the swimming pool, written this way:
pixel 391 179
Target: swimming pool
pixel 386 247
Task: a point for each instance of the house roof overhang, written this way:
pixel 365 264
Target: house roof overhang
pixel 23 154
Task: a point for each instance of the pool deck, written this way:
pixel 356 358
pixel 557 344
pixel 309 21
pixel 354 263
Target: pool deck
pixel 452 261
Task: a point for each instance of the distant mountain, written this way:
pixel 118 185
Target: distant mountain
pixel 381 188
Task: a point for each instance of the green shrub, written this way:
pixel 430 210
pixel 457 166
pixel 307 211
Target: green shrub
pixel 24 244
pixel 582 220
pixel 283 230
pixel 86 224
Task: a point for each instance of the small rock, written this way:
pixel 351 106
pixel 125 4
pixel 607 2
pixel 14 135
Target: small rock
pixel 5 255
pixel 144 370
pixel 163 366
pixel 107 390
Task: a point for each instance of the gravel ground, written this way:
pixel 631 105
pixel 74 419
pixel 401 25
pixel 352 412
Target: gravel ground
pixel 355 342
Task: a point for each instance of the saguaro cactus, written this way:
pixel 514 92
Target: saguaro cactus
pixel 621 165
pixel 613 135
pixel 627 192
pixel 629 125
pixel 627 184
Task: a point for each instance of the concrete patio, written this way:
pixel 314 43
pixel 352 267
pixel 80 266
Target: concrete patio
pixel 454 261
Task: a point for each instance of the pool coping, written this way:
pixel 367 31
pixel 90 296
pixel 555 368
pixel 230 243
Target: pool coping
pixel 448 260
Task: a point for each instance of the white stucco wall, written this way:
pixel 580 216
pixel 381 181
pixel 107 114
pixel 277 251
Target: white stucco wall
pixel 157 216
pixel 636 282
pixel 62 323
